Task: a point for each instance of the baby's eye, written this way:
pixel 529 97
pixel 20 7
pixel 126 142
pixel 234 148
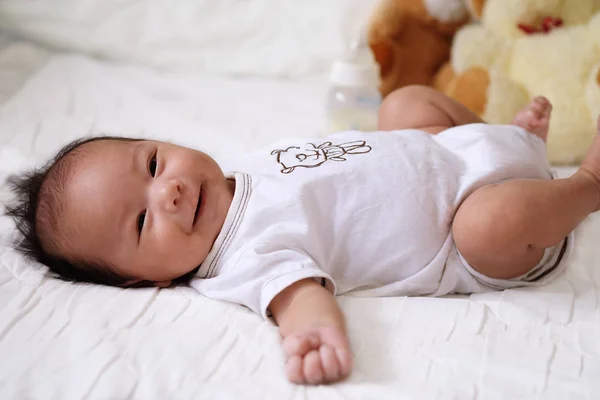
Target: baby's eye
pixel 140 222
pixel 152 165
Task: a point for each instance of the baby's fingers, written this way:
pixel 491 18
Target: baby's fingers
pixel 293 369
pixel 345 359
pixel 331 366
pixel 313 371
pixel 299 344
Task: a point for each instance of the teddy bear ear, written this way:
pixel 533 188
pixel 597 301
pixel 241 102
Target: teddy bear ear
pixel 476 8
pixel 385 20
pixel 385 23
pixel 382 52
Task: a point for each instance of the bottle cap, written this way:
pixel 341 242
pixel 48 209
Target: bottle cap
pixel 358 68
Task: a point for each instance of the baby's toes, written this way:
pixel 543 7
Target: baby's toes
pixel 535 117
pixel 540 106
pixel 547 110
pixel 541 100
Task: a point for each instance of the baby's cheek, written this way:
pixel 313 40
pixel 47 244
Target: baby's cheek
pixel 185 252
pixel 164 246
pixel 180 250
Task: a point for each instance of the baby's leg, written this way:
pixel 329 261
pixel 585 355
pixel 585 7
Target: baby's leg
pixel 423 108
pixel 502 230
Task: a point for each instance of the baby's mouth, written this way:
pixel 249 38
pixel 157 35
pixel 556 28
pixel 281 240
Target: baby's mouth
pixel 198 207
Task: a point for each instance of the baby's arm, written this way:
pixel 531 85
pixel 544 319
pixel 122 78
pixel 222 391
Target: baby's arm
pixel 314 333
pixel 423 108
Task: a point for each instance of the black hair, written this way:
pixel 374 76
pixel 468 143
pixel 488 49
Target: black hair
pixel 36 212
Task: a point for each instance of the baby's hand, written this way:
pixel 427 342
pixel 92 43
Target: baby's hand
pixel 320 355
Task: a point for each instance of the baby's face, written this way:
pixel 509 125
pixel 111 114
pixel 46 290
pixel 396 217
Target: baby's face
pixel 150 209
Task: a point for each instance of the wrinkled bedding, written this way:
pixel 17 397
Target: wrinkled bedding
pixel 66 341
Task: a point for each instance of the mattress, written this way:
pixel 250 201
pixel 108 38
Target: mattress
pixel 68 341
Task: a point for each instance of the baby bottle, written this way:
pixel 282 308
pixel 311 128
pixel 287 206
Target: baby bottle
pixel 353 99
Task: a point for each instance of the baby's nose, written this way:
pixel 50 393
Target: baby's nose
pixel 169 194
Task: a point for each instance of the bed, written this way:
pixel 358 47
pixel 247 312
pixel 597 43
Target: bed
pixel 66 341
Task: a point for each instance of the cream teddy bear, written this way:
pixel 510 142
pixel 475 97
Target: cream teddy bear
pixel 524 48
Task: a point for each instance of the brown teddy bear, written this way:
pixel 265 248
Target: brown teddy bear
pixel 411 39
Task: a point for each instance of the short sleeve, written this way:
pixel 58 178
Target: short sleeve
pixel 259 273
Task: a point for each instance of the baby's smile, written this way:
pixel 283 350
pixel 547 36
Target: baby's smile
pixel 199 207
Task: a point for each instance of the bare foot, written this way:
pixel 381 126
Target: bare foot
pixel 535 117
pixel 590 166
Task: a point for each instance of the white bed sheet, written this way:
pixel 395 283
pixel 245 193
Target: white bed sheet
pixel 64 341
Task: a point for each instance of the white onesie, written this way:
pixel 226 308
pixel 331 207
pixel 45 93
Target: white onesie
pixel 367 214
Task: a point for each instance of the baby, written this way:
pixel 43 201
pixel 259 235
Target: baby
pixel 436 202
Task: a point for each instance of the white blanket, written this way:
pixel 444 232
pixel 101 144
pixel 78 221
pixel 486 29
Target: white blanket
pixel 65 341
